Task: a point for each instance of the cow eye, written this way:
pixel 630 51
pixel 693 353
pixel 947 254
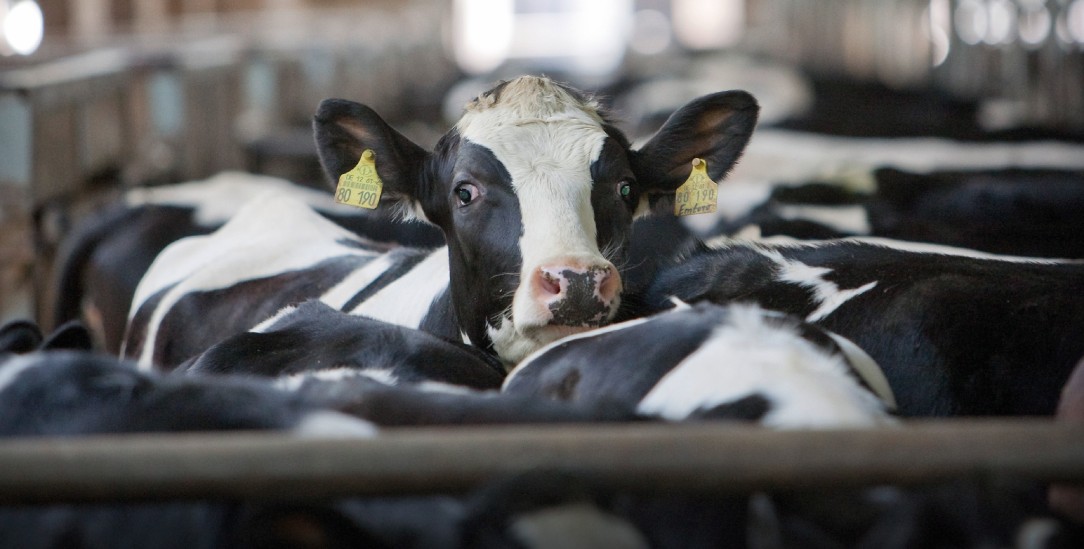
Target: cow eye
pixel 624 188
pixel 466 193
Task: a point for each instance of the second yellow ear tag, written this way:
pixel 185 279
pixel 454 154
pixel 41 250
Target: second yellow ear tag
pixel 360 186
pixel 699 194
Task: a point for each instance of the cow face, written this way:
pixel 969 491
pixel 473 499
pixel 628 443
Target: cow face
pixel 535 191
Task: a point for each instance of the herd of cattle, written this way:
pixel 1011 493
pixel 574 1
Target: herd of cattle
pixel 546 281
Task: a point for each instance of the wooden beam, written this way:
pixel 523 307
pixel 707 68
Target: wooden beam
pixel 673 457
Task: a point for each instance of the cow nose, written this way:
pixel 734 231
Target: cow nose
pixel 577 295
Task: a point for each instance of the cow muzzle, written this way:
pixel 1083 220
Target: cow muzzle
pixel 575 295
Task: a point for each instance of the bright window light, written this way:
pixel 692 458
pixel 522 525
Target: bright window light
pixel 483 33
pixel 708 24
pixel 24 27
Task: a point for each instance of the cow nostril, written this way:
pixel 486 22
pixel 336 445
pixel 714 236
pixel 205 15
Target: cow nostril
pixel 549 283
pixel 609 284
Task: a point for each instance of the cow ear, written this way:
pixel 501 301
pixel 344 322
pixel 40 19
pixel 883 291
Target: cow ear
pixel 19 336
pixel 345 129
pixel 714 128
pixel 72 336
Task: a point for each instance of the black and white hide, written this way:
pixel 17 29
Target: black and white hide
pixel 50 393
pixel 956 332
pixel 101 261
pixel 385 373
pixel 712 362
pixel 1031 212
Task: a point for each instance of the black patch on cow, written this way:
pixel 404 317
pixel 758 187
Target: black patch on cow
pixel 317 337
pixel 102 262
pixel 441 321
pixel 620 366
pixel 404 259
pixel 725 276
pixel 82 393
pixel 750 408
pixel 229 310
pixel 566 390
pixel 136 333
pixel 580 306
pixel 1018 211
pixel 484 258
pixel 364 245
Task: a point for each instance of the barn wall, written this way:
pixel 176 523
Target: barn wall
pixel 134 93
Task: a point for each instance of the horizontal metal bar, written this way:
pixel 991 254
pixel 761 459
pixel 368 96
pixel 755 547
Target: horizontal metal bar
pixel 705 457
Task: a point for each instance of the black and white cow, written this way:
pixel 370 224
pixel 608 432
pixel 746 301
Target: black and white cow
pixel 1019 211
pixel 711 362
pixel 534 189
pixel 51 393
pixel 102 260
pixel 955 331
pixel 316 338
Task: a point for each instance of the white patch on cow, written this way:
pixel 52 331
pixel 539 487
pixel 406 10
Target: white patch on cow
pixel 736 198
pixel 925 248
pixel 281 314
pixel 269 235
pixel 217 198
pixel 806 386
pixel 577 525
pixel 866 368
pixel 13 367
pixel 408 299
pixel 748 232
pixel 797 157
pixel 525 363
pixel 381 375
pixel 784 242
pixel 547 140
pixel 511 344
pixel 340 294
pixel 293 382
pixel 446 388
pixel 678 303
pixel 828 295
pixel 329 424
pixel 844 219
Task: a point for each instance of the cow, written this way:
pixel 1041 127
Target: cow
pixel 957 332
pixel 1017 211
pixel 62 392
pixel 534 189
pixel 712 362
pixel 24 336
pixel 102 260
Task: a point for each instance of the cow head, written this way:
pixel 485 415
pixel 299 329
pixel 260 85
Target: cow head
pixel 535 190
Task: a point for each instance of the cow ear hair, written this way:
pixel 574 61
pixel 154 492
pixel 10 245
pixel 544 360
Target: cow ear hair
pixel 714 128
pixel 344 130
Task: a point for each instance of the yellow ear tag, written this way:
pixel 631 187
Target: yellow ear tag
pixel 360 186
pixel 699 194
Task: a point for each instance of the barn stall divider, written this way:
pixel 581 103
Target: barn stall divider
pixel 675 458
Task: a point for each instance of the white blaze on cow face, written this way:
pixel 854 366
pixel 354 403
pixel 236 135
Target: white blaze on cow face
pixel 547 140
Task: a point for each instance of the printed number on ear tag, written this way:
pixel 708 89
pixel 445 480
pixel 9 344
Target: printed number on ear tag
pixel 699 194
pixel 360 186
